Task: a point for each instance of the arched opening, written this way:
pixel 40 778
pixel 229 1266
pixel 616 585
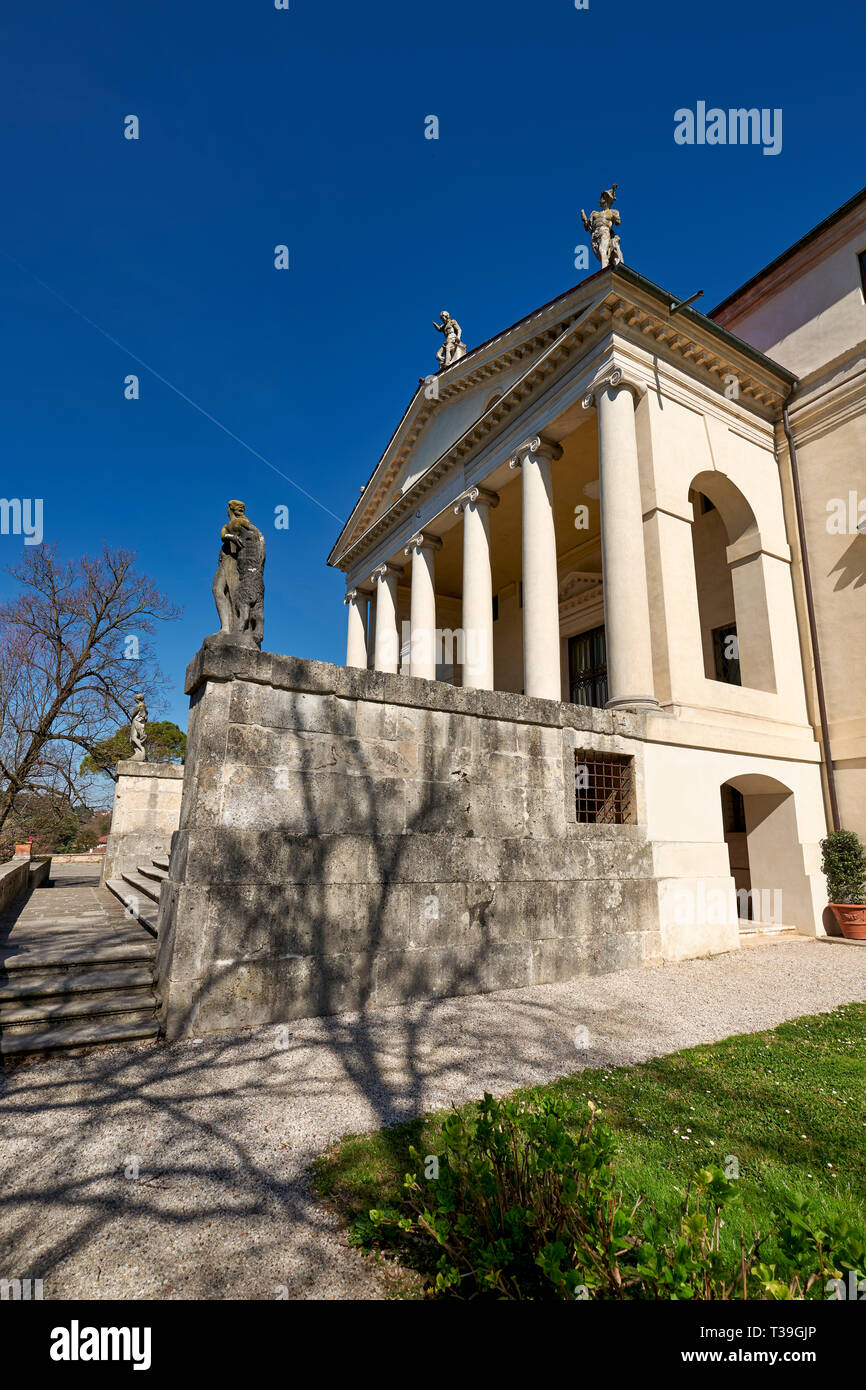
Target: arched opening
pixel 767 863
pixel 729 575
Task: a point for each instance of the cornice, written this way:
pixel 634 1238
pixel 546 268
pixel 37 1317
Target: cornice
pixel 817 411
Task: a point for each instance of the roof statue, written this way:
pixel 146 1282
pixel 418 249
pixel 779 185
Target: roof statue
pixel 454 347
pixel 600 225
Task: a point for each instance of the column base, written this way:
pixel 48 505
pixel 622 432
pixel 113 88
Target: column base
pixel 633 702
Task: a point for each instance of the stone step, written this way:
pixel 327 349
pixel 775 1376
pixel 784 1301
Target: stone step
pixel 143 886
pixel 100 1032
pixel 765 929
pixel 161 864
pixel 77 956
pixel 137 1005
pixel 34 984
pixel 153 871
pixel 143 909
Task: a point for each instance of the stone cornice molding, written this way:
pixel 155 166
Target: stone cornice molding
pixel 421 541
pixel 383 571
pixel 538 446
pixel 613 380
pixel 478 496
pixel 817 411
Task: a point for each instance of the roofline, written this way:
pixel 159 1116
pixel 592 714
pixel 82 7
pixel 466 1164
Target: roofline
pixel 804 241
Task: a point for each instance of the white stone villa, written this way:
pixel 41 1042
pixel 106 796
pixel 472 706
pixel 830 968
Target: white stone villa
pixel 622 503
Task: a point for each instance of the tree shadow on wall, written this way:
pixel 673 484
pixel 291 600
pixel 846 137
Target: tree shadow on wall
pixel 851 566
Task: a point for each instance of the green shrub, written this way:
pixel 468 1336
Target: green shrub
pixel 523 1205
pixel 843 860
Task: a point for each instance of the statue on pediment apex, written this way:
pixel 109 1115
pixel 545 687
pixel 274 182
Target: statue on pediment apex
pixel 454 347
pixel 600 225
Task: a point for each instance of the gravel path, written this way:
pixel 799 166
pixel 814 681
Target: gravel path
pixel 224 1127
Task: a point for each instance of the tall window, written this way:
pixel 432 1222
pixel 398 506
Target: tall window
pixel 587 668
pixel 726 654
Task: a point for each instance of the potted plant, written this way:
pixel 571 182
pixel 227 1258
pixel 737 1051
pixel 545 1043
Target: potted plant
pixel 843 860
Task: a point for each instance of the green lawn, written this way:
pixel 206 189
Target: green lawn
pixel 790 1105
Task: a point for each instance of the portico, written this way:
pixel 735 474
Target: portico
pixel 613 539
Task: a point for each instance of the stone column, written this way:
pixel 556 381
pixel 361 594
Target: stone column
pixel 626 598
pixel 386 654
pixel 356 640
pixel 541 668
pixel 422 625
pixel 477 620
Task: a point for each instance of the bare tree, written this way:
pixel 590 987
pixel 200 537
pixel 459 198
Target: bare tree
pixel 74 651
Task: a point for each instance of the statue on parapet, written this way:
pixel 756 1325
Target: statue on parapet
pixel 138 729
pixel 600 225
pixel 454 347
pixel 239 583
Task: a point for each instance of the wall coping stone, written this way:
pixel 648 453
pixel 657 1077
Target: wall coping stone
pixel 224 662
pixel 128 767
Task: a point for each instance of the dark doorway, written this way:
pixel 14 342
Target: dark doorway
pixel 736 838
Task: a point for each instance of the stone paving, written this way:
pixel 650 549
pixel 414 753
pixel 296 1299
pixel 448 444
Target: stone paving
pixel 68 919
pixel 223 1128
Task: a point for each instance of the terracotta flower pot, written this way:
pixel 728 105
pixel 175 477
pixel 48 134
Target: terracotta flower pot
pixel 852 920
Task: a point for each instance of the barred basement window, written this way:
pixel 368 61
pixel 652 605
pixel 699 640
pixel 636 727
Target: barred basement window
pixel 604 788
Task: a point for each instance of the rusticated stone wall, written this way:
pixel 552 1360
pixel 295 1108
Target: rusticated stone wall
pixel 349 838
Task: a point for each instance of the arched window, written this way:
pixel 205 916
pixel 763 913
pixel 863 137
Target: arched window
pixel 729 574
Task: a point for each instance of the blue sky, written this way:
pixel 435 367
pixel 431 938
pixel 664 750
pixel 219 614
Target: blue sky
pixel 305 127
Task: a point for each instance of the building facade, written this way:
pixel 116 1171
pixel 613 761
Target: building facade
pixel 600 507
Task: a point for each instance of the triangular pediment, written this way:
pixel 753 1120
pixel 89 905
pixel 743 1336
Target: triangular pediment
pixel 448 405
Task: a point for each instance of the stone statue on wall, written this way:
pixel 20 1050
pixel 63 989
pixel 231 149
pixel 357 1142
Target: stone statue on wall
pixel 239 583
pixel 137 730
pixel 600 225
pixel 454 347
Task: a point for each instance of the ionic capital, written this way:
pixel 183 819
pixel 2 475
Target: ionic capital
pixel 386 570
pixel 421 541
pixel 539 447
pixel 612 381
pixel 478 496
pixel 356 595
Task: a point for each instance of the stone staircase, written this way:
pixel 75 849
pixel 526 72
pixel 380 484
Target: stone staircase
pixel 139 891
pixel 77 966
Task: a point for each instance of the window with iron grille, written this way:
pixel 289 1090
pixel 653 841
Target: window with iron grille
pixel 587 668
pixel 604 788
